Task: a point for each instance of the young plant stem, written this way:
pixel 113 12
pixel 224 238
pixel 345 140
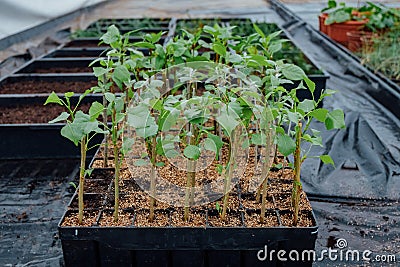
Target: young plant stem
pixel 191 176
pixel 296 183
pixel 264 173
pixel 116 182
pixel 82 179
pixel 229 173
pixel 264 199
pixel 114 133
pixel 153 178
pixel 105 156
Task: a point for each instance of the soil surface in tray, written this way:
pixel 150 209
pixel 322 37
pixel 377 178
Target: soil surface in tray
pixel 43 87
pixel 35 113
pixel 242 210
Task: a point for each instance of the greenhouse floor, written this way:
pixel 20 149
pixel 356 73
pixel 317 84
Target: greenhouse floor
pixel 358 201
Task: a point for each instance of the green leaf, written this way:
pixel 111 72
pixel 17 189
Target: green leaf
pixel 293 72
pixel 310 84
pixel 258 139
pixel 168 119
pixel 210 145
pixel 95 110
pixel 335 120
pixel 160 164
pixel 88 172
pixel 327 160
pixel 127 145
pixel 306 105
pixel 145 45
pixel 337 17
pixel 72 132
pixel 219 49
pixel 53 98
pixel 217 141
pixel 220 168
pixel 139 117
pixel 98 71
pixel 227 120
pixel 69 94
pixel 140 162
pixel 192 152
pixel 73 184
pixel 258 30
pixel 274 47
pixel 286 145
pixel 62 117
pixel 112 35
pixel 293 117
pixel 319 114
pixel 121 75
pixel 110 97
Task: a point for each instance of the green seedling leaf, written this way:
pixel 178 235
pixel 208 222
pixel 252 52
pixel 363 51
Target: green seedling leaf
pixel 88 172
pixel 98 71
pixel 73 184
pixel 337 17
pixel 110 97
pixel 53 98
pixel 335 120
pixel 127 145
pixel 228 120
pixel 81 126
pixel 69 94
pixel 310 84
pixel 62 117
pixel 278 166
pixel 315 140
pixel 139 117
pixel 210 145
pixel 72 132
pixel 258 30
pixel 217 140
pixel 140 162
pixel 145 45
pixel 160 164
pixel 274 47
pixel 112 35
pixel 319 114
pixel 218 207
pixel 326 159
pixel 95 110
pixel 286 145
pixel 258 139
pixel 121 75
pixel 192 152
pixel 306 105
pixel 293 72
pixel 219 49
pixel 220 168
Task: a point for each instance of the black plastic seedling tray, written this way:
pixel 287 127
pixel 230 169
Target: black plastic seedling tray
pixel 172 246
pixel 23 98
pixel 94 42
pixel 74 52
pixel 38 140
pixel 22 141
pixel 78 65
pixel 181 246
pixel 129 22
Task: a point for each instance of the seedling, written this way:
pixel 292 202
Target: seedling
pixel 80 129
